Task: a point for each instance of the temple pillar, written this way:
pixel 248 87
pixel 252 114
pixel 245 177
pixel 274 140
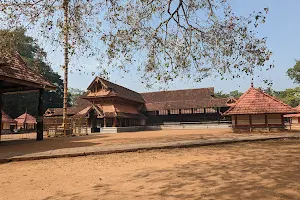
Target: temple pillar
pixel 114 122
pixel 1 106
pixel 104 122
pixel 40 124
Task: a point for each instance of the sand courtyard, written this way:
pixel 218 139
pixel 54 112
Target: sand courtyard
pixel 259 170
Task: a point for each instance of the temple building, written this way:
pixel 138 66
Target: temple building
pixel 109 107
pixel 258 111
pixel 26 121
pixel 8 123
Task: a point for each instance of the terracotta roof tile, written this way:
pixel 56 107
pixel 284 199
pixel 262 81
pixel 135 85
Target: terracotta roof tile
pixel 186 104
pixel 6 118
pixel 13 66
pixel 26 118
pixel 255 101
pixel 178 95
pixel 182 99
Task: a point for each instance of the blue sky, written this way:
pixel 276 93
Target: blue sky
pixel 281 28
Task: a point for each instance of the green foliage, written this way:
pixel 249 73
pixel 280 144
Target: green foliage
pixel 74 94
pixel 35 57
pixel 290 96
pixel 294 73
pixel 221 94
pixel 165 39
pixel 235 94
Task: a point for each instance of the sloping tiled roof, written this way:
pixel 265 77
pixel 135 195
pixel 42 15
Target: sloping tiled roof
pixel 26 118
pixel 70 111
pixel 298 108
pixel 119 91
pixel 255 101
pixel 186 104
pixel 7 119
pixel 182 99
pixel 178 95
pixel 13 67
pixel 292 115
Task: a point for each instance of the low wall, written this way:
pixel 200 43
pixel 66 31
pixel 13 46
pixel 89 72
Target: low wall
pixel 258 129
pixel 187 126
pixel 122 129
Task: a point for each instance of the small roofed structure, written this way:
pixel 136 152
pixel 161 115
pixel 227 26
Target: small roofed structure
pixel 7 123
pixel 258 111
pixel 16 77
pixel 26 121
pixel 294 119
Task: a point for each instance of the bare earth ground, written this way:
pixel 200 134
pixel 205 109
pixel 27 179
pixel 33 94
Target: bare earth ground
pixel 31 146
pixel 262 170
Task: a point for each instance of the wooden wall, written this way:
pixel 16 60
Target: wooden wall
pixel 257 120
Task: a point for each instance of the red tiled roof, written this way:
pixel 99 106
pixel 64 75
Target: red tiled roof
pixel 182 99
pixel 7 119
pixel 298 108
pixel 13 67
pixel 255 101
pixel 292 115
pixel 26 119
pixel 70 111
pixel 186 104
pixel 178 95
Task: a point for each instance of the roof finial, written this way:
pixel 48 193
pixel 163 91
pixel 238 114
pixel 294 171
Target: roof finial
pixel 252 83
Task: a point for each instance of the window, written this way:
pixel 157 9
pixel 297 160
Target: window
pixel 186 111
pixel 211 110
pixel 174 112
pixel 163 112
pixel 198 110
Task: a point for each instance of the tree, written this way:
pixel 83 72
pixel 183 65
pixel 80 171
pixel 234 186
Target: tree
pixel 166 39
pixel 235 94
pixel 36 59
pixel 74 94
pixel 221 94
pixel 294 73
pixel 290 96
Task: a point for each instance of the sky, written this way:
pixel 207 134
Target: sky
pixel 282 30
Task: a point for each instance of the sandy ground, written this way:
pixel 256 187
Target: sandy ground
pixel 263 170
pixel 31 146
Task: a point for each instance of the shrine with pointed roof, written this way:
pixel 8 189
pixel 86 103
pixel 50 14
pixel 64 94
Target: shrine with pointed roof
pixel 257 111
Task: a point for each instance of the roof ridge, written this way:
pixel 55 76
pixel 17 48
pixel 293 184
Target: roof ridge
pixel 261 92
pixel 274 98
pixel 120 85
pixel 241 97
pixel 20 59
pixel 177 90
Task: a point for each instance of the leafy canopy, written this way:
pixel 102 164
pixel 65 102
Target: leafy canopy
pixel 170 39
pixel 294 73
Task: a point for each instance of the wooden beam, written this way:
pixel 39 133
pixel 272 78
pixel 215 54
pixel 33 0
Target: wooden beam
pixel 1 106
pixel 26 83
pixel 40 124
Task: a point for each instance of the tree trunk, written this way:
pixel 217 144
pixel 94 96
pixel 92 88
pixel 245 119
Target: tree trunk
pixel 66 62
